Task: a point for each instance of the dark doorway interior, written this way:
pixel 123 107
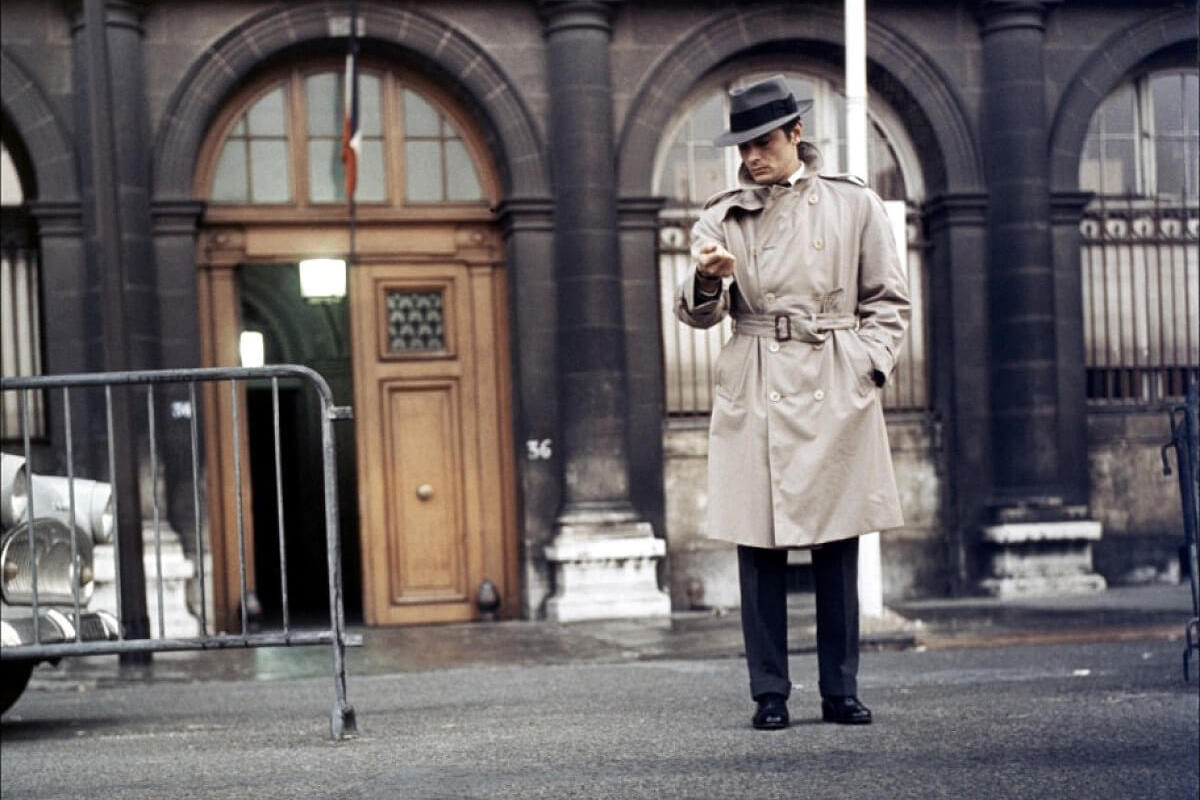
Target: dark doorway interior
pixel 295 332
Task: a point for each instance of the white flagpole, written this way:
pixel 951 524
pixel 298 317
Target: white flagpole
pixel 870 566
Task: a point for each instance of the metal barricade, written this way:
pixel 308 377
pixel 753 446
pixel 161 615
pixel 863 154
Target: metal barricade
pixel 1184 431
pixel 342 722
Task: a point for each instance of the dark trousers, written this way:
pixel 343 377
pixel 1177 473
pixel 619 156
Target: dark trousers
pixel 763 576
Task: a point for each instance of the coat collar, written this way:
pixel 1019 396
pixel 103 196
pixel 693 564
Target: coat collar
pixel 750 196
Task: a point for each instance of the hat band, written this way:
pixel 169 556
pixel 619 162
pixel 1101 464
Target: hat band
pixel 753 117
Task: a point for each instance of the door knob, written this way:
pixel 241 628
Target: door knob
pixel 424 491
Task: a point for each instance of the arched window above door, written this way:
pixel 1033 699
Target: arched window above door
pixel 279 144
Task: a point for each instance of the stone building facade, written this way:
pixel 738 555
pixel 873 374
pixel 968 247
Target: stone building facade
pixel 528 167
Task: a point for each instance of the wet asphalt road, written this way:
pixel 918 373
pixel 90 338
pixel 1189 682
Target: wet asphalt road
pixel 1103 720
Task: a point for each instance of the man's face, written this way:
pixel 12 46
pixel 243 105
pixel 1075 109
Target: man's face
pixel 772 157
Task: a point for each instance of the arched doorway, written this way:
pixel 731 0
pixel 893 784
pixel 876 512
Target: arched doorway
pixel 432 474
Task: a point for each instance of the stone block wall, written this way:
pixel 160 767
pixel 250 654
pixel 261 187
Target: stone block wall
pixel 1138 506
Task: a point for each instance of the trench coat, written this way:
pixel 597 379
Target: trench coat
pixel 798 450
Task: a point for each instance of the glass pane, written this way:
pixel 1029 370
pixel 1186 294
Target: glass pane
pixel 369 118
pixel 1191 102
pixel 1170 166
pixel 1166 95
pixel 462 184
pixel 420 119
pixel 323 94
pixel 1089 164
pixel 239 128
pixel 269 171
pixel 414 321
pixel 325 181
pixel 886 178
pixel 1116 112
pixel 265 117
pixel 673 180
pixel 1117 172
pixel 1192 161
pixel 708 172
pixel 229 185
pixel 371 184
pixel 708 120
pixel 423 172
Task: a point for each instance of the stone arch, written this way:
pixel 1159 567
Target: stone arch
pixel 42 134
pixel 1111 62
pixel 914 86
pixel 506 122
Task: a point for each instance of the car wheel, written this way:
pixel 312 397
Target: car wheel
pixel 14 677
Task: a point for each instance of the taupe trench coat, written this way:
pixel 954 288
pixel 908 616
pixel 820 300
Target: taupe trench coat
pixel 798 451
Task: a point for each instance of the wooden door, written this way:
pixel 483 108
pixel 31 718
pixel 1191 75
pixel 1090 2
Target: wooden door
pixel 434 443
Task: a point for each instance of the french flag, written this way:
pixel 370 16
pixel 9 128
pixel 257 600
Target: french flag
pixel 351 135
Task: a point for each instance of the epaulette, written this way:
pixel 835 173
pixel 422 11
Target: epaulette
pixel 741 197
pixel 719 196
pixel 846 177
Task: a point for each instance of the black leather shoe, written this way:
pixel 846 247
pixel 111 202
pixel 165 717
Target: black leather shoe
pixel 845 711
pixel 772 714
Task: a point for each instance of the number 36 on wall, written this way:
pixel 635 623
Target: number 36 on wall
pixel 538 449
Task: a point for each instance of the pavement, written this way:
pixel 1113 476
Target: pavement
pixel 1079 697
pixel 1139 613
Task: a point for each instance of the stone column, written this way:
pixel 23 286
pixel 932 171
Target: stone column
pixel 1036 541
pixel 113 132
pixel 604 555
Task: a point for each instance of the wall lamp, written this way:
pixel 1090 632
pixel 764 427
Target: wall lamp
pixel 323 280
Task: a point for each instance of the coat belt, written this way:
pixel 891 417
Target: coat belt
pixel 783 327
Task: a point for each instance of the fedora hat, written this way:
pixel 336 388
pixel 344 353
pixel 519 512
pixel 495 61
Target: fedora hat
pixel 759 107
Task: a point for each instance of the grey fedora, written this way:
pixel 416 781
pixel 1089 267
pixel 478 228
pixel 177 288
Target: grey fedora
pixel 759 107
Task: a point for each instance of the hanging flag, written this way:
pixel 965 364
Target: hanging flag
pixel 351 135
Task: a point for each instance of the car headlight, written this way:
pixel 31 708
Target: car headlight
pixel 14 489
pixel 57 573
pixel 93 503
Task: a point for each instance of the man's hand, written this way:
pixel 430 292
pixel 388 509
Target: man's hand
pixel 714 262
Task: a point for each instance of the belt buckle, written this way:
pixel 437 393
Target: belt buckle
pixel 783 327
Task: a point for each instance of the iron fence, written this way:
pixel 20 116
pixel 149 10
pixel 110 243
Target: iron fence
pixel 690 355
pixel 1141 284
pixel 44 647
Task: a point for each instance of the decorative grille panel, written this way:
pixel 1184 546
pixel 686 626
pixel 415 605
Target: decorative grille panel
pixel 415 321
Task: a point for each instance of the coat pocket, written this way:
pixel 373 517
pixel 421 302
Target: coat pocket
pixel 859 360
pixel 732 365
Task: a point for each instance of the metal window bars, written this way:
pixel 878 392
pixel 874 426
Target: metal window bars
pixel 342 721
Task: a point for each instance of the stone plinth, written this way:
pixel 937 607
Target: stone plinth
pixel 606 572
pixel 1041 558
pixel 177 570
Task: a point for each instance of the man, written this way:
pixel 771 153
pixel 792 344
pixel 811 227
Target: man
pixel 798 451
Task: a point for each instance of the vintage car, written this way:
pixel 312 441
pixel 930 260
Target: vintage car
pixel 56 547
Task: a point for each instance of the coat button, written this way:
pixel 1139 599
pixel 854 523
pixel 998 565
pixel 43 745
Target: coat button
pixel 818 244
pixel 812 199
pixel 769 297
pixel 819 394
pixel 774 397
pixel 773 347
